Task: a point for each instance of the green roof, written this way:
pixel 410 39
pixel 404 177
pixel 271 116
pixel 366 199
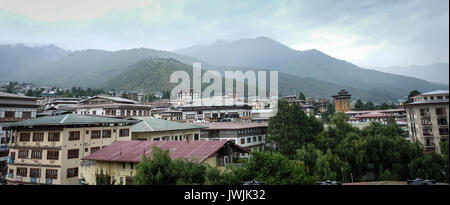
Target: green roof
pixel 155 125
pixel 67 119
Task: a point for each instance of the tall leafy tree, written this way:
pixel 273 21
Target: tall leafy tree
pixel 291 128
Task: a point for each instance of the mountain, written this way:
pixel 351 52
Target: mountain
pixel 268 54
pixel 149 74
pixel 19 58
pixel 92 68
pixel 436 73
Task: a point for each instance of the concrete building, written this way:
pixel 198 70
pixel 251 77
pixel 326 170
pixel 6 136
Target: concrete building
pixel 262 115
pixel 54 146
pixel 244 134
pixel 342 101
pixel 428 119
pixel 119 160
pixel 193 113
pixel 111 107
pixel 160 130
pixel 13 108
pixel 173 115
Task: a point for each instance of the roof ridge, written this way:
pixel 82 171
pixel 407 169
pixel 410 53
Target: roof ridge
pixel 148 125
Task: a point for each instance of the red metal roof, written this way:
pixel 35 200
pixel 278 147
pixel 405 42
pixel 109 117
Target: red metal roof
pixel 132 151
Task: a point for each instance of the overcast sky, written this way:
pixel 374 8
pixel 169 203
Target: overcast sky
pixel 364 32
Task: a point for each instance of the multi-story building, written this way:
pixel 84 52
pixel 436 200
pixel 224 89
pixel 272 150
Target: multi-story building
pixel 13 108
pixel 193 113
pixel 159 130
pixel 111 107
pixel 119 160
pixel 54 145
pixel 428 119
pixel 262 115
pixel 342 101
pixel 245 134
pixel 174 115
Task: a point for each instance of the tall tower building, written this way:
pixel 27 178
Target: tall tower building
pixel 342 101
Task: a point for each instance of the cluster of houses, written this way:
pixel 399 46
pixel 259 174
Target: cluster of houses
pixel 70 140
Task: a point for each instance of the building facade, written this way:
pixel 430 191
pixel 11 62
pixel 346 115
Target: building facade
pixel 217 113
pixel 13 108
pixel 111 107
pixel 428 119
pixel 48 150
pixel 342 101
pixel 119 160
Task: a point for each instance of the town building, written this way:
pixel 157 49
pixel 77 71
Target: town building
pixel 197 113
pixel 244 134
pixel 54 145
pixel 342 101
pixel 262 115
pixel 173 115
pixel 428 119
pixel 157 129
pixel 119 160
pixel 111 107
pixel 13 108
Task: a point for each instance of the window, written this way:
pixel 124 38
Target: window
pixel 242 141
pixel 87 132
pixel 74 135
pixel 249 140
pixel 26 114
pixel 196 137
pixel 35 172
pixel 106 133
pixel 94 149
pixel 440 97
pixel 254 139
pixel 426 121
pixel 443 131
pixel 51 174
pixel 423 111
pixel 96 134
pixel 440 111
pixel 24 137
pixel 21 171
pixel 38 137
pixel 52 154
pixel 427 132
pixel 53 136
pixel 131 166
pixel 36 154
pixel 72 153
pixel 23 154
pixel 72 172
pixel 124 132
pixel 259 138
pixel 442 121
pixel 124 165
pixel 10 114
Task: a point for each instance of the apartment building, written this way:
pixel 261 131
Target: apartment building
pixel 48 150
pixel 119 160
pixel 428 119
pixel 13 108
pixel 111 107
pixel 193 113
pixel 245 134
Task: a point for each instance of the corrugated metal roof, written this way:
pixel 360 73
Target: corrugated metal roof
pixel 436 92
pixel 132 151
pixel 154 125
pixel 67 119
pixel 10 95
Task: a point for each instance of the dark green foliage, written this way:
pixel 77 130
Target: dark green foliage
pixel 104 179
pixel 275 169
pixel 359 105
pixel 301 96
pixel 291 128
pixel 162 170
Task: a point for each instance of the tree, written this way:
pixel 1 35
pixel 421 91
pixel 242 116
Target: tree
pixel 301 96
pixel 359 105
pixel 291 128
pixel 124 95
pixel 412 94
pixel 104 179
pixel 275 169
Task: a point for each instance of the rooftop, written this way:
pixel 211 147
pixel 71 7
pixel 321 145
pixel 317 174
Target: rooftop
pixel 436 92
pixel 116 99
pixel 132 151
pixel 67 119
pixel 155 125
pixel 11 95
